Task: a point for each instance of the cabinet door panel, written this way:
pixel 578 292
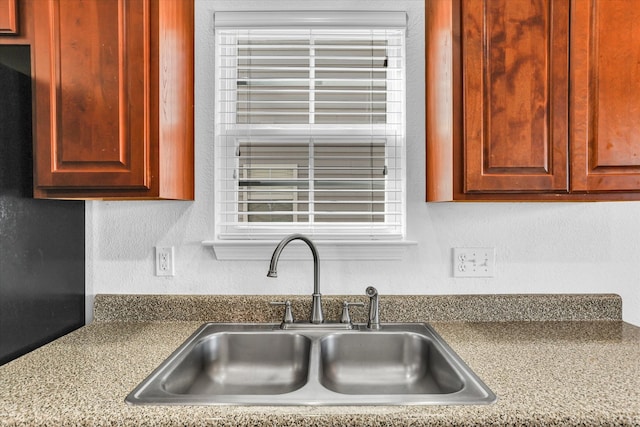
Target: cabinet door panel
pixel 93 99
pixel 8 17
pixel 605 79
pixel 515 79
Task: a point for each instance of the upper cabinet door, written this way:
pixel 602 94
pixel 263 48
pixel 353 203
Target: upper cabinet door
pixel 515 103
pixel 92 82
pixel 605 95
pixel 114 99
pixel 8 17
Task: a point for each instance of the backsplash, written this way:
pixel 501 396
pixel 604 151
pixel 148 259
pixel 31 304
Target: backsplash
pixel 393 308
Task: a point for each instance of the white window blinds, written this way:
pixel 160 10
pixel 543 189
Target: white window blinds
pixel 310 124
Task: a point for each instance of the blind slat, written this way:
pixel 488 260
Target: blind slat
pixel 325 193
pixel 316 202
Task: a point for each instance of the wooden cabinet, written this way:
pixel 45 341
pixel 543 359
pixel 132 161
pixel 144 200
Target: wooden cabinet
pixel 8 17
pixel 515 80
pixel 114 99
pixel 542 99
pixel 605 95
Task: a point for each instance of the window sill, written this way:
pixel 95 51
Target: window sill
pixel 372 250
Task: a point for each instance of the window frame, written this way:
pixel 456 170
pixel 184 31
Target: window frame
pixel 327 234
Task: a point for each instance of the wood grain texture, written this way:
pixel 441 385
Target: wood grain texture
pixel 8 17
pixel 515 78
pixel 114 99
pixel 605 57
pixel 176 99
pixel 442 124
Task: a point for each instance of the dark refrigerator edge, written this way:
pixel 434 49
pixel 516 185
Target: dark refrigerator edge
pixel 42 264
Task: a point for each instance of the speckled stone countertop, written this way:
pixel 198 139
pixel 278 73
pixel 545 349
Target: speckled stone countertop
pixel 550 371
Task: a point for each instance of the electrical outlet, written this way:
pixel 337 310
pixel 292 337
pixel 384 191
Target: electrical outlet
pixel 474 262
pixel 165 261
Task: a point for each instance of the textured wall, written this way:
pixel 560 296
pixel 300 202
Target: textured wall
pixel 540 247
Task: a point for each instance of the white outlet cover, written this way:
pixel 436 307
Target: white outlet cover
pixel 474 262
pixel 165 261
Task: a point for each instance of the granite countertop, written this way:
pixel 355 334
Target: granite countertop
pixel 551 372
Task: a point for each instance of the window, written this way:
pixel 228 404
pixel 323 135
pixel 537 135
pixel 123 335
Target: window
pixel 310 125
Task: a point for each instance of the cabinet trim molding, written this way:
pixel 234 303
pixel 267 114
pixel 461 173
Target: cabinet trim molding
pixel 8 17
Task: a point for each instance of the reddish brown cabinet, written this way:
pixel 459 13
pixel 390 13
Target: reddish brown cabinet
pixel 605 95
pixel 114 99
pixel 533 100
pixel 8 17
pixel 515 79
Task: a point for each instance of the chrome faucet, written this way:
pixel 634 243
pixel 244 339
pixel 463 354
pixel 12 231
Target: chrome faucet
pixel 374 308
pixel 316 302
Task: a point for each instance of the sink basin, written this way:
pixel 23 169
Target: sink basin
pixel 260 364
pixel 385 363
pixel 242 363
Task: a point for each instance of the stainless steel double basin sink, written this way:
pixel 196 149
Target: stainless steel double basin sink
pixel 260 364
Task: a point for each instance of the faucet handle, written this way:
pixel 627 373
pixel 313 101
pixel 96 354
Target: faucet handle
pixel 288 312
pixel 346 318
pixel 374 308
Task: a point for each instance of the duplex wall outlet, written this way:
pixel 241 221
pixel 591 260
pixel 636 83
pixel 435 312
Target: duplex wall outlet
pixel 165 261
pixel 474 262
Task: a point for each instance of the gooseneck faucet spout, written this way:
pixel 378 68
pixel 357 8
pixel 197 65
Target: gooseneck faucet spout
pixel 316 302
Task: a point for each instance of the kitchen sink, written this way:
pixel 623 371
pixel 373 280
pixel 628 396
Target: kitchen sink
pixel 261 364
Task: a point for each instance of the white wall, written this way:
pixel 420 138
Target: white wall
pixel 540 247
